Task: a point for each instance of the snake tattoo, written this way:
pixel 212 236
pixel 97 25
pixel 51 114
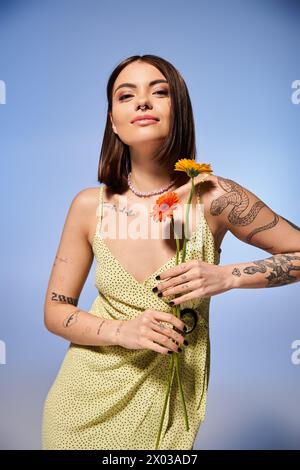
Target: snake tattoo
pixel 281 266
pixel 238 197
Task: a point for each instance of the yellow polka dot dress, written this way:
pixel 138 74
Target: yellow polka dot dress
pixel 110 397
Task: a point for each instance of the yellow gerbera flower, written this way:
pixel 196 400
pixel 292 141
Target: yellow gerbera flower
pixel 192 168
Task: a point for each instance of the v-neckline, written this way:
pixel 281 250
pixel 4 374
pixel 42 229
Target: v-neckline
pixel 131 275
pixel 108 250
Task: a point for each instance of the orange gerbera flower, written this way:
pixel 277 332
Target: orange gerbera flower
pixel 164 206
pixel 192 168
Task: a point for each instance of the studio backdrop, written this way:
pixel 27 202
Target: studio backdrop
pixel 240 60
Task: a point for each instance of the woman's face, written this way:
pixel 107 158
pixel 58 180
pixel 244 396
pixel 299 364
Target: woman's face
pixel 126 101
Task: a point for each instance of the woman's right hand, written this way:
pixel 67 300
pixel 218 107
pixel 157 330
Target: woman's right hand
pixel 145 331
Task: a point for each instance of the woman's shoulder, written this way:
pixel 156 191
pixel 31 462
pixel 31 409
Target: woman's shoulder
pixel 87 196
pixel 204 185
pixel 85 204
pixel 213 185
pixel 86 201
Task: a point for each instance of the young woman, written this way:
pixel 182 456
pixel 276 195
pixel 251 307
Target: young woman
pixel 110 389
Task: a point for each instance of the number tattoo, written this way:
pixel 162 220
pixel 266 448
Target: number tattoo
pixel 63 299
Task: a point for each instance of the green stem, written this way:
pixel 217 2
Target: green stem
pixel 176 359
pixel 177 313
pixel 187 220
pixel 170 380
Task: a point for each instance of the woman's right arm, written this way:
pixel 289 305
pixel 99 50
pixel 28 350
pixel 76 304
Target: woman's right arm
pixel 71 266
pixel 70 269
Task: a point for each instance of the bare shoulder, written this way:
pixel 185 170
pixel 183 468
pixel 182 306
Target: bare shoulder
pixel 225 199
pixel 86 199
pixel 84 207
pixel 210 186
pixel 209 191
pixel 215 186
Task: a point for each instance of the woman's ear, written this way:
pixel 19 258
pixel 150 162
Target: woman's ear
pixel 112 124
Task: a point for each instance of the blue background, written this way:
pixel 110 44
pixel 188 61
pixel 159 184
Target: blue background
pixel 239 60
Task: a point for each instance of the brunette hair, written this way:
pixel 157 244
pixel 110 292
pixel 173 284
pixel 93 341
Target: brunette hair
pixel 114 162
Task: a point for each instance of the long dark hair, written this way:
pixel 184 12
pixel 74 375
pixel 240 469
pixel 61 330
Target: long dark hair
pixel 114 161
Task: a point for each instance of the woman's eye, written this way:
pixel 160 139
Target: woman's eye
pixel 123 96
pixel 164 92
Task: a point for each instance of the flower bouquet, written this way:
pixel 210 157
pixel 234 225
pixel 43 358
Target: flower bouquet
pixel 164 207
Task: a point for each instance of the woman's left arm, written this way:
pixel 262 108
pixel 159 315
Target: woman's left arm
pixel 248 218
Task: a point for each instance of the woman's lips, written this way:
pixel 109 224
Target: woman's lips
pixel 145 122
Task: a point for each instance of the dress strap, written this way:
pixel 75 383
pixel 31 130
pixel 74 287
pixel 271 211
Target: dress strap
pixel 99 212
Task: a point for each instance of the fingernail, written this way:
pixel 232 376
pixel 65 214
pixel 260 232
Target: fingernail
pixel 185 342
pixel 158 277
pixel 171 303
pixel 179 350
pixel 184 328
pixel 170 352
pixel 159 294
pixel 155 289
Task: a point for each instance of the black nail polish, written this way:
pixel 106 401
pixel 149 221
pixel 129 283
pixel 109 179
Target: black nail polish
pixel 158 277
pixel 185 342
pixel 184 328
pixel 171 303
pixel 170 352
pixel 179 350
pixel 155 289
pixel 159 294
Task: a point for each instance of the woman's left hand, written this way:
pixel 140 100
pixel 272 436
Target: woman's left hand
pixel 194 279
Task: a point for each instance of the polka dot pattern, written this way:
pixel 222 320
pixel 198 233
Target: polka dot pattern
pixel 110 397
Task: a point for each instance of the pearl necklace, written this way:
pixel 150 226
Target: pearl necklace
pixel 150 193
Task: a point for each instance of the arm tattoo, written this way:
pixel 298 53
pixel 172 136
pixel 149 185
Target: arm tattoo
pixel 119 327
pixel 291 223
pixel 62 298
pixel 71 319
pixel 237 197
pixel 236 272
pixel 101 323
pixel 86 331
pixel 59 259
pixel 280 266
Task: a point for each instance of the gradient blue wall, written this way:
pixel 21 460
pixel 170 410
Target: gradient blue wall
pixel 239 60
